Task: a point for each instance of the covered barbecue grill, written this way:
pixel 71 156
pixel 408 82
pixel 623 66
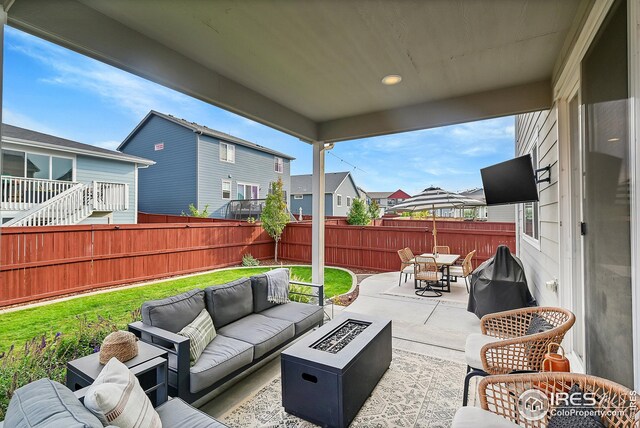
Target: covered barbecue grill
pixel 499 284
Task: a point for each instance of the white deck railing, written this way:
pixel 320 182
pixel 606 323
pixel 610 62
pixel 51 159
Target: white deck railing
pixel 19 193
pixel 75 204
pixel 110 196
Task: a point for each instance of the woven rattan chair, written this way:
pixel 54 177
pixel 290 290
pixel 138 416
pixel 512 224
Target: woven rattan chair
pixel 441 249
pixel 406 264
pixel 617 405
pixel 464 270
pixel 505 346
pixel 426 270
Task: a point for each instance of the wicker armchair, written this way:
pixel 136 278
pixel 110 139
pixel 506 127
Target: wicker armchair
pixel 441 249
pixel 465 270
pixel 505 346
pixel 406 264
pixel 426 270
pixel 500 396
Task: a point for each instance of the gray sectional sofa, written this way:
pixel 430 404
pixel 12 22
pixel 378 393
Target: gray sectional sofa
pixel 249 328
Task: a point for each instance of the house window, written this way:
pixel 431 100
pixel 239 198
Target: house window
pixel 279 165
pixel 33 165
pixel 227 152
pixel 531 210
pixel 348 201
pixel 248 191
pixel 339 200
pixel 298 196
pixel 226 189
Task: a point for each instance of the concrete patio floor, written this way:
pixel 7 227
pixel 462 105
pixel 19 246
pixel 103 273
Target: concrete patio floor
pixel 431 326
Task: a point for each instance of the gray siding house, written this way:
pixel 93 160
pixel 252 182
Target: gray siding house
pixel 47 181
pixel 340 191
pixel 201 166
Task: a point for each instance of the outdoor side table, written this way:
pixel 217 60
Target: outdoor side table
pixel 153 379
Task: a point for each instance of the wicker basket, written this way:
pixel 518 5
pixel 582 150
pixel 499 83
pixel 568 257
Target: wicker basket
pixel 120 344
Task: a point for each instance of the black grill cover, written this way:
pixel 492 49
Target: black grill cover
pixel 499 284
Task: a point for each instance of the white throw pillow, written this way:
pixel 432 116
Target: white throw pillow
pixel 200 333
pixel 117 398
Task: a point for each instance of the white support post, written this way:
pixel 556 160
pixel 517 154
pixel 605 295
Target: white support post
pixel 317 224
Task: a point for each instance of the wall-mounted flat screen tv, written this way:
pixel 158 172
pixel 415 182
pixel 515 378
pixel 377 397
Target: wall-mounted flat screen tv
pixel 510 182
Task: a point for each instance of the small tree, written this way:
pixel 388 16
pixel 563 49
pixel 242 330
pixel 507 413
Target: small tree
pixel 194 212
pixel 358 214
pixel 274 215
pixel 374 209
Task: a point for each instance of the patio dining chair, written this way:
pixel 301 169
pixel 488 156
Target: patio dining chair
pixel 406 264
pixel 514 341
pixel 441 249
pixel 426 270
pixel 464 270
pixel 615 405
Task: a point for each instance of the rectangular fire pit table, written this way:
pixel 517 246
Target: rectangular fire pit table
pixel 328 374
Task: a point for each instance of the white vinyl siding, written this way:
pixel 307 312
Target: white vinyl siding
pixel 226 189
pixel 531 210
pixel 279 165
pixel 540 257
pixel 227 152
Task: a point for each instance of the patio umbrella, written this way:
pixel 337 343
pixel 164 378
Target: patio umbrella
pixel 433 198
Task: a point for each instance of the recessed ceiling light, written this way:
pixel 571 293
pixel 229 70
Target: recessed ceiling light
pixel 391 79
pixel 613 140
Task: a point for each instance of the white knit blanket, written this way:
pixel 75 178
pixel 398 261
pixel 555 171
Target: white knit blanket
pixel 278 285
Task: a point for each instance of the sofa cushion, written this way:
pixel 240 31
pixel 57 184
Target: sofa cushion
pixel 474 417
pixel 46 403
pixel 175 312
pixel 221 357
pixel 303 316
pixel 200 333
pixel 262 332
pixel 259 286
pixel 229 302
pixel 177 413
pixel 475 342
pixel 117 398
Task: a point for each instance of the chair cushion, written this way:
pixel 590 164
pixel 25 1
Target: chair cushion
pixel 46 403
pixel 117 398
pixel 200 333
pixel 456 271
pixel 229 302
pixel 262 332
pixel 177 413
pixel 474 417
pixel 472 347
pixel 408 269
pixel 175 312
pixel 302 315
pixel 259 287
pixel 221 357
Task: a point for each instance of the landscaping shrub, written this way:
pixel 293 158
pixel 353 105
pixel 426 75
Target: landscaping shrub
pixel 358 215
pixel 249 260
pixel 47 356
pixel 296 288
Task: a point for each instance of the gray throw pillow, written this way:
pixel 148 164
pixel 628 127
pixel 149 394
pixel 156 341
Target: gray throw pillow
pixel 538 324
pixel 576 415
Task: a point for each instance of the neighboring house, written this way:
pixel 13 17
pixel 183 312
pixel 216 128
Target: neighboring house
pixel 386 200
pixel 364 196
pixel 201 166
pixel 502 213
pixel 340 191
pixel 48 181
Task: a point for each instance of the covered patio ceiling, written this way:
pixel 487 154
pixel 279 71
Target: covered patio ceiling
pixel 313 69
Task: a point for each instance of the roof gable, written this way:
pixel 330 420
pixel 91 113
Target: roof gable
pixel 301 184
pixel 399 194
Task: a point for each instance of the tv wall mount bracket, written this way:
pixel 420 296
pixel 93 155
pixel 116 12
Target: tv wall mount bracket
pixel 542 171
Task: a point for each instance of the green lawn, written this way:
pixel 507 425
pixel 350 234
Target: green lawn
pixel 19 326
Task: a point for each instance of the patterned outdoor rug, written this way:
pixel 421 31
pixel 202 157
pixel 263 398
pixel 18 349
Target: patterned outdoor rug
pixel 416 391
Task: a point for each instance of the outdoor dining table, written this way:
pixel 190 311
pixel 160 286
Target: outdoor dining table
pixel 443 260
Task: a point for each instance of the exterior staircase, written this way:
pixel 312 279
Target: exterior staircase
pixel 73 205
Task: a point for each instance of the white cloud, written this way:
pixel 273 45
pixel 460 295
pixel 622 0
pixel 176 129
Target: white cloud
pixel 23 121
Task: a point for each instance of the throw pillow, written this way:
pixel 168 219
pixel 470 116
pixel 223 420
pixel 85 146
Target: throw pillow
pixel 200 333
pixel 576 415
pixel 117 398
pixel 538 324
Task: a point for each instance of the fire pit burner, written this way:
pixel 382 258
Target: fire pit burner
pixel 340 336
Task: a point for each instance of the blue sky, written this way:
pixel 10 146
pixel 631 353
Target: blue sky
pixel 53 90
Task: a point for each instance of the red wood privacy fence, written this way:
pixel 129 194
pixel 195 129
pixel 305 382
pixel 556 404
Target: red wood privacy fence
pixel 375 247
pixel 41 262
